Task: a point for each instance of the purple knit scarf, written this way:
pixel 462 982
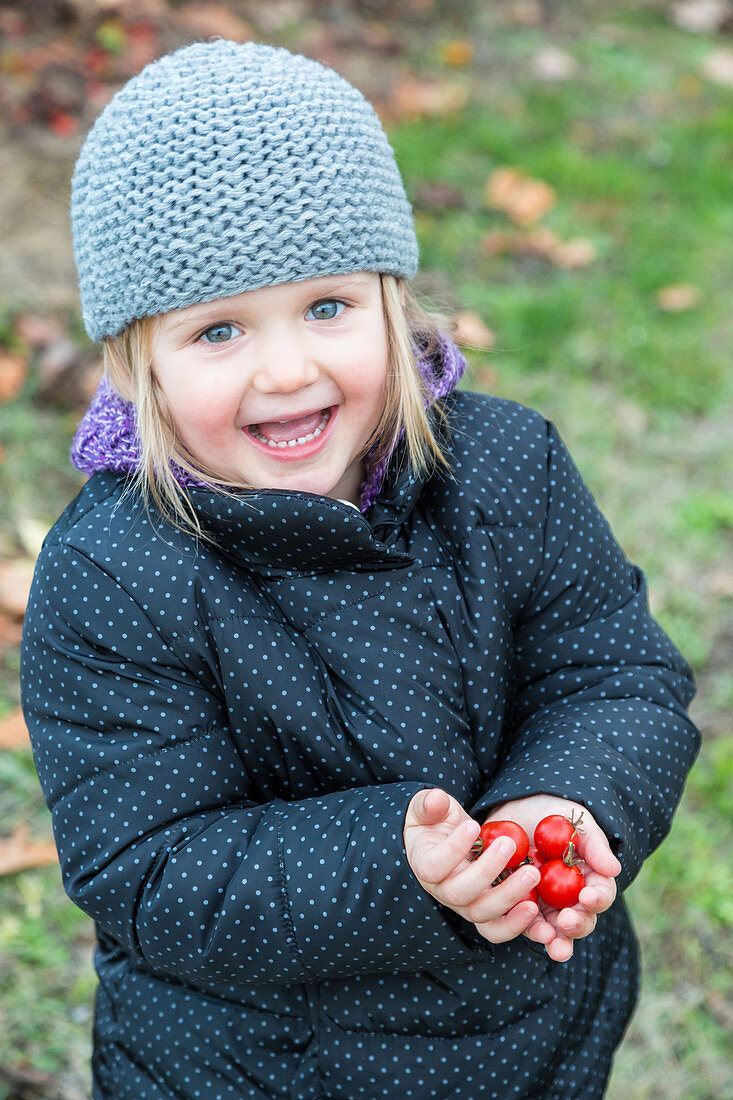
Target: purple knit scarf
pixel 107 438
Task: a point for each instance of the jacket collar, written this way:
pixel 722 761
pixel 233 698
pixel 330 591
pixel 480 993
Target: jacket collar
pixel 278 533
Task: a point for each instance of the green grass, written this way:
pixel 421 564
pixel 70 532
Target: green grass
pixel 642 170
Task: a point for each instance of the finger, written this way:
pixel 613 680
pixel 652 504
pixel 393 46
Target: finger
pixel 510 925
pixel 593 846
pixel 432 861
pixel 576 923
pixel 430 806
pixel 598 894
pixel 540 931
pixel 499 899
pixel 560 949
pixel 475 880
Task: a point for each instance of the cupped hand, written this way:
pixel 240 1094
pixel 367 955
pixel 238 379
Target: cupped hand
pixel 438 837
pixel 557 929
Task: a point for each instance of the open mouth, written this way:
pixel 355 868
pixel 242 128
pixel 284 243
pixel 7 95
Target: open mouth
pixel 291 433
pixel 297 437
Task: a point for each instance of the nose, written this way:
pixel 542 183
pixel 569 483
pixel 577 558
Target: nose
pixel 285 368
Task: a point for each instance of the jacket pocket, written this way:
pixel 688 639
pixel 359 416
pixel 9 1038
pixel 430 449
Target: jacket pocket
pixel 501 987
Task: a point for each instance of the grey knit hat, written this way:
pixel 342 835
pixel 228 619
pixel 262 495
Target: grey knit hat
pixel 222 168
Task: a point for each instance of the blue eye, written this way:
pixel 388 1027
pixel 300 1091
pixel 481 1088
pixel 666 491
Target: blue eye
pixel 219 334
pixel 326 310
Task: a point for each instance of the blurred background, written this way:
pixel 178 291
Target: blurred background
pixel 570 168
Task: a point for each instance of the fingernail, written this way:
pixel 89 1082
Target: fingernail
pixel 504 846
pixel 529 876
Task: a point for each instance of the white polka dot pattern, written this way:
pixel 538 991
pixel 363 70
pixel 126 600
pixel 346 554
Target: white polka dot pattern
pixel 228 740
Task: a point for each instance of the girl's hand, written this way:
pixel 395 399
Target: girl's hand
pixel 438 835
pixel 554 928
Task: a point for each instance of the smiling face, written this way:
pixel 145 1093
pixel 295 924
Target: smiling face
pixel 280 387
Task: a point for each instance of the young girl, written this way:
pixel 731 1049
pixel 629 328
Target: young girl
pixel 316 616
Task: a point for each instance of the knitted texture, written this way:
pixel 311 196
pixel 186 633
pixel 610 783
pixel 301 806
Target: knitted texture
pixel 222 168
pixel 107 438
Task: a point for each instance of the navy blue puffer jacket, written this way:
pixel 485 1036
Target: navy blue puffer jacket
pixel 228 735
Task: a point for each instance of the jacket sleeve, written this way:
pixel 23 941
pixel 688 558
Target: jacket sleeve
pixel 601 694
pixel 159 837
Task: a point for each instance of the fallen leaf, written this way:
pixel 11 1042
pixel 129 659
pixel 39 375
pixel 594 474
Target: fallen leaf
pixel 10 632
pixel 470 331
pixel 13 371
pixel 701 16
pixel 458 52
pixel 688 86
pixel 27 1083
pixel 678 297
pixel 718 66
pixel 720 582
pixel 631 419
pixel 542 242
pixel 438 196
pixel 272 18
pixel 31 533
pixel 62 123
pixel 524 199
pixel 209 20
pixel 19 853
pixel 14 732
pixel 526 13
pixel 37 331
pixel 413 98
pixel 485 378
pixel 68 375
pixel 573 254
pixel 15 585
pixel 553 64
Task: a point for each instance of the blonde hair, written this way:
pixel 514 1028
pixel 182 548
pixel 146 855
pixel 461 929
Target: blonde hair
pixel 128 367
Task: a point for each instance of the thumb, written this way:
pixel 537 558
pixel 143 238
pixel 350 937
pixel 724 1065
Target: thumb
pixel 596 851
pixel 430 806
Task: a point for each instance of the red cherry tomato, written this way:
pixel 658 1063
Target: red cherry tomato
pixel 535 858
pixel 560 884
pixel 492 830
pixel 553 834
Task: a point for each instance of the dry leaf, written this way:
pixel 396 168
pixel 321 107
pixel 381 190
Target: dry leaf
pixel 458 52
pixel 15 585
pixel 573 254
pixel 524 199
pixel 485 378
pixel 543 242
pixel 631 419
pixel 14 732
pixel 207 20
pixel 540 242
pixel 438 196
pixel 526 13
pixel 18 852
pixel 13 371
pixel 413 98
pixel 470 331
pixel 687 86
pixel 702 16
pixel 31 533
pixel 11 631
pixel 36 331
pixel 678 298
pixel 553 64
pixel 718 66
pixel 720 582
